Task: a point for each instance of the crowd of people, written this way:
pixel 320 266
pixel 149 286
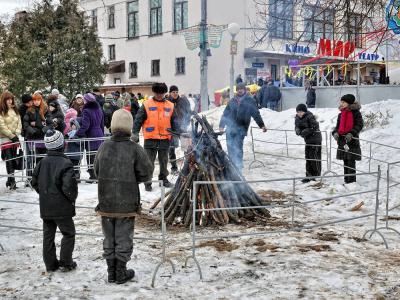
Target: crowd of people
pixel 119 164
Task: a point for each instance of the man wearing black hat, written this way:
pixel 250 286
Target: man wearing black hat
pixel 307 127
pixel 236 118
pixel 348 127
pixel 182 113
pixel 156 117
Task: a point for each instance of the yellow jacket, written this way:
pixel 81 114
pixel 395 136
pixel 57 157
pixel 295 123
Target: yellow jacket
pixel 10 126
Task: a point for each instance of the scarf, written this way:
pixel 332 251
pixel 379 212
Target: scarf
pixel 346 122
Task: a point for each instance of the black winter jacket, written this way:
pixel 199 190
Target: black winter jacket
pixel 152 143
pixel 311 97
pixel 54 181
pixel 120 165
pixel 58 116
pixel 308 128
pixel 237 117
pixel 268 93
pixel 34 132
pixel 22 112
pixel 354 152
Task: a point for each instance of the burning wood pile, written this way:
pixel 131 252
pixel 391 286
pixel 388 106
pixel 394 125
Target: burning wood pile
pixel 205 160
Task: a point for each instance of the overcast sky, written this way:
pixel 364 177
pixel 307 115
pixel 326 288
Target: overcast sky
pixel 12 6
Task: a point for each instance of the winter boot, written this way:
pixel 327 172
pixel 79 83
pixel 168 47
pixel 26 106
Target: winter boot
pixel 67 267
pixel 8 184
pixel 91 175
pixel 111 270
pixel 167 184
pixel 123 275
pixel 174 168
pixel 13 184
pixel 147 187
pixel 54 267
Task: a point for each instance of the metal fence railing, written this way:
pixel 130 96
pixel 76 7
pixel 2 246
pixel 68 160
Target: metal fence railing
pixel 293 204
pixel 162 239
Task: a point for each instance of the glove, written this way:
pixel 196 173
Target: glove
pixel 135 138
pixel 15 139
pixel 71 134
pixel 298 131
pixel 348 137
pixel 336 136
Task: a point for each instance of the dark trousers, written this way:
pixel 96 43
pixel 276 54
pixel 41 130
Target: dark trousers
pixel 8 155
pixel 172 157
pixel 349 169
pixel 162 160
pixel 118 238
pixel 234 143
pixel 67 228
pixel 313 160
pixel 77 170
pixel 29 159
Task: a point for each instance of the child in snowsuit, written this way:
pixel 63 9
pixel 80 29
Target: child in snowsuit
pixel 54 181
pixel 348 126
pixel 307 127
pixel 120 165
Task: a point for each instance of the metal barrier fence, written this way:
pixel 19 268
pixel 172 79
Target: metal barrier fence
pixel 324 146
pixel 162 239
pixel 292 205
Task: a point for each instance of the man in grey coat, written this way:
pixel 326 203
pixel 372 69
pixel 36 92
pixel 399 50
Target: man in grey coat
pixel 120 165
pixel 269 96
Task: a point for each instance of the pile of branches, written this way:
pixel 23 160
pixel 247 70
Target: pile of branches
pixel 205 160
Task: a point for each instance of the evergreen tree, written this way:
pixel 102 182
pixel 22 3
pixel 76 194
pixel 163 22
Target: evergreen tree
pixel 51 46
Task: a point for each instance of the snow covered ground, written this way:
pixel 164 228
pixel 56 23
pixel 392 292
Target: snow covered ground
pixel 330 262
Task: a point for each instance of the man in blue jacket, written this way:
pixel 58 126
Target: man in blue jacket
pixel 236 118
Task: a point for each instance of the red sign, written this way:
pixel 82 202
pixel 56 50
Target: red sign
pixel 335 48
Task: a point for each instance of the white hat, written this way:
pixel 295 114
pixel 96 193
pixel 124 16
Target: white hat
pixel 79 96
pixel 55 92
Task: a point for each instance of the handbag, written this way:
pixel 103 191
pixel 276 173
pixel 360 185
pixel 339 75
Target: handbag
pixel 19 161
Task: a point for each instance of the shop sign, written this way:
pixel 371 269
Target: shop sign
pixel 263 74
pixel 335 48
pixel 257 65
pixel 297 49
pixel 368 56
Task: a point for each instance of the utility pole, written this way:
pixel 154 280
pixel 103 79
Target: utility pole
pixel 203 57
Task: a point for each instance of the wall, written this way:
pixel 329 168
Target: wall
pixel 330 96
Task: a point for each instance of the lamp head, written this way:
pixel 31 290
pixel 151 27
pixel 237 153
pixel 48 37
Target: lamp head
pixel 233 28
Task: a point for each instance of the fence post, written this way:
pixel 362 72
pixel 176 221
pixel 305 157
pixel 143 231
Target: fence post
pixel 377 198
pixel 293 196
pixel 387 194
pixel 370 157
pixel 252 143
pixel 287 145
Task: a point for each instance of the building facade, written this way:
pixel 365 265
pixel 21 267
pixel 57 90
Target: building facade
pixel 142 40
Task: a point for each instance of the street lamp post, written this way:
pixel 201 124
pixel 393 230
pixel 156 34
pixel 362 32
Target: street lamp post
pixel 233 29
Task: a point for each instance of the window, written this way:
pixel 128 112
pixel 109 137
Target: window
pixel 155 67
pixel 180 65
pixel 180 15
pixel 111 17
pixel 133 19
pixel 133 70
pixel 94 18
pixel 281 18
pixel 318 23
pixel 111 52
pixel 354 29
pixel 155 17
pixel 117 80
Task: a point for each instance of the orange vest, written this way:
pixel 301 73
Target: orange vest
pixel 158 119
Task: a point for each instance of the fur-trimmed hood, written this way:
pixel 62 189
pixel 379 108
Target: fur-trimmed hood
pixel 355 106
